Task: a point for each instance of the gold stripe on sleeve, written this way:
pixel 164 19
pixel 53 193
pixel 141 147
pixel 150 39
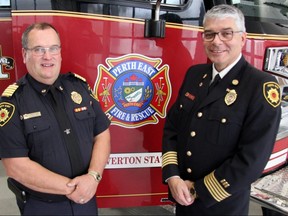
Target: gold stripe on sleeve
pixel 169 158
pixel 215 188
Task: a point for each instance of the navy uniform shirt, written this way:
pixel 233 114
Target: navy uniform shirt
pixel 221 140
pixel 29 128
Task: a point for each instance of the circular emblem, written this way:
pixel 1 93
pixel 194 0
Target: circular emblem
pixel 3 115
pixel 132 92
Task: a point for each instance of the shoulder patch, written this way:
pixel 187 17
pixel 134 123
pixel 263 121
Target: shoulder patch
pixel 9 91
pixel 271 92
pixel 6 112
pixel 79 77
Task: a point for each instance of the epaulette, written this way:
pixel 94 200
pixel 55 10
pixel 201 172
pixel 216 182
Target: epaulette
pixel 79 77
pixel 10 90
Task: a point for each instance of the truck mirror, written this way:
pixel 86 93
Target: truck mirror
pixel 155 27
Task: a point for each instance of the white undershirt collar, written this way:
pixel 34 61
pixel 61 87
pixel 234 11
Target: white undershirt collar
pixel 226 70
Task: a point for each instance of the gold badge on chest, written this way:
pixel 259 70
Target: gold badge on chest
pixel 76 97
pixel 230 97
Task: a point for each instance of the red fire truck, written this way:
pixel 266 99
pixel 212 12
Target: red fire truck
pixel 135 54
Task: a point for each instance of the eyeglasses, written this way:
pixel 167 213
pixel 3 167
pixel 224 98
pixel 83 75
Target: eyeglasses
pixel 40 51
pixel 223 35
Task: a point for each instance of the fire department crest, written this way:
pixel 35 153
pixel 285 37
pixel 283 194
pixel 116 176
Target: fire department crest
pixel 133 90
pixel 272 93
pixel 6 112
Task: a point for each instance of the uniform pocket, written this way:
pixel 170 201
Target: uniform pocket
pixel 84 113
pixel 34 125
pixel 38 135
pixel 223 127
pixel 84 122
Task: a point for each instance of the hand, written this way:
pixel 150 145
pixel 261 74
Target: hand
pixel 85 188
pixel 180 191
pixel 190 186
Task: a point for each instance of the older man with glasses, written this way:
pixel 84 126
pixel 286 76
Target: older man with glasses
pixel 55 138
pixel 220 132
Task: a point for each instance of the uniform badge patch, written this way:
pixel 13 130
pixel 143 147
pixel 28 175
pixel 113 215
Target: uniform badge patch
pixel 76 97
pixel 6 112
pixel 133 90
pixel 230 97
pixel 271 91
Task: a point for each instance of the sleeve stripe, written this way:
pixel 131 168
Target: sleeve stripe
pixel 169 158
pixel 215 188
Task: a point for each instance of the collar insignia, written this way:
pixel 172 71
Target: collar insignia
pixel 235 82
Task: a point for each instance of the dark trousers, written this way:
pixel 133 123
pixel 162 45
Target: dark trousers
pixel 37 207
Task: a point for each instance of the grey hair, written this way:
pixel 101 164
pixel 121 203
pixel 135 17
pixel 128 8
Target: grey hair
pixel 224 11
pixel 38 26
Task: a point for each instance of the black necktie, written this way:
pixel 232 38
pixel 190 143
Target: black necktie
pixel 70 139
pixel 216 80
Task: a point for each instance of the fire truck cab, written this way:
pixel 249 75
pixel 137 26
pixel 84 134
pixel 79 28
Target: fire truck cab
pixel 134 54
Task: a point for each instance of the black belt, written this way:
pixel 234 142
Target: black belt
pixel 22 192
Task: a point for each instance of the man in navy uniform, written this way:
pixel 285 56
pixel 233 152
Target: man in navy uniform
pixel 55 138
pixel 220 132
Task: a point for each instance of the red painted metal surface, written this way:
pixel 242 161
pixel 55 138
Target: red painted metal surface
pixel 7 71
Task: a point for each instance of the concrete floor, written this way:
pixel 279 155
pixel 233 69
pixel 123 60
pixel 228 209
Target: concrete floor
pixel 8 205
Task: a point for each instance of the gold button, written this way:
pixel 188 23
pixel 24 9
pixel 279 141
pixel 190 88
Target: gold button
pixel 181 106
pixel 200 84
pixel 193 133
pixel 200 114
pixel 189 170
pixel 189 153
pixel 223 120
pixel 235 82
pixel 43 90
